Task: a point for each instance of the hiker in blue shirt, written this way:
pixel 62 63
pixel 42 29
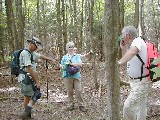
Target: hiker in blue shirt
pixel 75 59
pixel 72 81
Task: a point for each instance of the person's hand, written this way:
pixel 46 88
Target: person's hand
pixel 68 62
pixel 122 44
pixel 38 84
pixel 91 52
pixel 53 61
pixel 61 66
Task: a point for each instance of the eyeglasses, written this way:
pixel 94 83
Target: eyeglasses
pixel 35 42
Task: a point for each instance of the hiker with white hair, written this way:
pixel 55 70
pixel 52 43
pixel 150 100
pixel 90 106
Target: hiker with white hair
pixel 135 106
pixel 72 81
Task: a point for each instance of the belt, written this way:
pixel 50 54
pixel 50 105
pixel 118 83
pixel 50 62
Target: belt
pixel 140 77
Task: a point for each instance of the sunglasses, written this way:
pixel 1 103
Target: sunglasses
pixel 35 41
pixel 71 47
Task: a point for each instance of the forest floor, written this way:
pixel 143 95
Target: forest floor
pixel 55 107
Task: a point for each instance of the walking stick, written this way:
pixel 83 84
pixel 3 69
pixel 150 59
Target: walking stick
pixel 47 78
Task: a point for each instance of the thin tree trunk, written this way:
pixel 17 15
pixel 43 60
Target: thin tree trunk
pixel 64 23
pixel 71 20
pixel 81 27
pixel 95 65
pixel 1 36
pixel 140 18
pixel 136 14
pixel 44 26
pixel 59 29
pixel 38 14
pixel 121 15
pixel 156 26
pixel 75 20
pixel 87 6
pixel 143 27
pixel 110 38
pixel 91 24
pixel 20 23
pixel 121 24
pixel 11 25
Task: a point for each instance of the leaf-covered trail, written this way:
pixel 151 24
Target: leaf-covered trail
pixel 55 108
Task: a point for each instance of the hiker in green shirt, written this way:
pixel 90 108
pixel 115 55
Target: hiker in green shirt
pixel 28 78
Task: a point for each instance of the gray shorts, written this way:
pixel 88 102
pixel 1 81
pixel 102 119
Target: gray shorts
pixel 27 89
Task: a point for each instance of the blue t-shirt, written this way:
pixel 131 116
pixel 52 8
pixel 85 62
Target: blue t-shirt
pixel 74 59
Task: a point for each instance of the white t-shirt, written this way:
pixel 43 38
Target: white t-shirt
pixel 134 65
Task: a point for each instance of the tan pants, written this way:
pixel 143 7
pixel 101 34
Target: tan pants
pixel 70 84
pixel 135 106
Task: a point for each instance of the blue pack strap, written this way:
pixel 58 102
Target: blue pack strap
pixel 140 77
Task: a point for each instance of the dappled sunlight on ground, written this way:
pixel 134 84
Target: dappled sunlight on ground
pixel 54 108
pixel 9 89
pixel 53 97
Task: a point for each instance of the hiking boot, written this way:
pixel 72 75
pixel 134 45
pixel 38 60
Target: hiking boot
pixel 82 108
pixel 26 114
pixel 70 108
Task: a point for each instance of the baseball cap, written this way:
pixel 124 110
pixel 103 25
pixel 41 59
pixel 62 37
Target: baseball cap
pixel 35 41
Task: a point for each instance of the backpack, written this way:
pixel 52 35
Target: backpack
pixel 71 70
pixel 15 67
pixel 152 54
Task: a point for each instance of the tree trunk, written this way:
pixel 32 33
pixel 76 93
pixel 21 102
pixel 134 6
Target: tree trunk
pixel 142 13
pixel 156 27
pixel 136 14
pixel 11 25
pixel 1 36
pixel 44 26
pixel 59 29
pixel 87 6
pixel 75 20
pixel 71 21
pixel 91 24
pixel 38 16
pixel 111 70
pixel 64 24
pixel 81 28
pixel 121 25
pixel 121 15
pixel 20 23
pixel 140 18
pixel 95 65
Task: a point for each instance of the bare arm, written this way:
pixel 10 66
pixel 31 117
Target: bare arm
pixel 47 58
pixel 129 55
